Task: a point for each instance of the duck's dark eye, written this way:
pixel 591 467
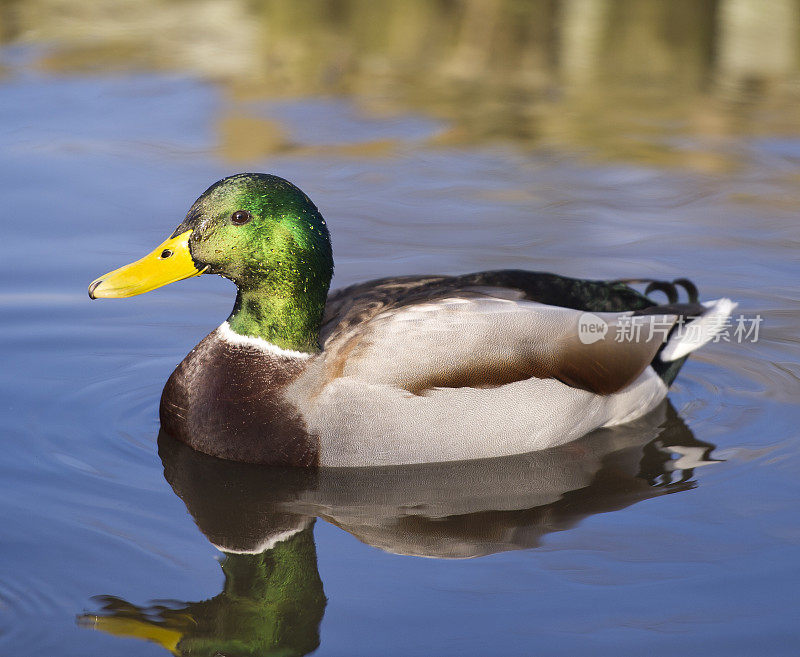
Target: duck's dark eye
pixel 240 217
pixel 166 253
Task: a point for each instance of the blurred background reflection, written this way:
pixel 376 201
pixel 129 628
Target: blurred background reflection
pixel 619 79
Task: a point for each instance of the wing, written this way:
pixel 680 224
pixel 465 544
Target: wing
pixel 385 315
pixel 478 339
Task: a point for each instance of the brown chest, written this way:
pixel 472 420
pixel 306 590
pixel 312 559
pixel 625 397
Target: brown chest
pixel 227 400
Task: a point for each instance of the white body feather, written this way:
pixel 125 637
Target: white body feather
pixel 377 424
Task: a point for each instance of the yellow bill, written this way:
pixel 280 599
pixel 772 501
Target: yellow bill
pixel 170 261
pixel 136 628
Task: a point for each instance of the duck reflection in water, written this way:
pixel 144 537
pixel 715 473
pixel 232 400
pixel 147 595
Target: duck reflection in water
pixel 262 518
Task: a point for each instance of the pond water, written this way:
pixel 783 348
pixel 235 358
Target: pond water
pixel 598 139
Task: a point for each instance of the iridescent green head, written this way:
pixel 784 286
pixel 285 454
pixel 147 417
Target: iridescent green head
pixel 257 229
pixel 265 235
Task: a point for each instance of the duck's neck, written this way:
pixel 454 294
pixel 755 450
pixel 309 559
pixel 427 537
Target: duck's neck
pixel 290 322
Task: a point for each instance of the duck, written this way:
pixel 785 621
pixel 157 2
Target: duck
pixel 401 370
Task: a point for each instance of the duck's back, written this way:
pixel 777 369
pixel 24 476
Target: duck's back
pixel 425 369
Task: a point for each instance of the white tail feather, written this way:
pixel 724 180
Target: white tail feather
pixel 696 333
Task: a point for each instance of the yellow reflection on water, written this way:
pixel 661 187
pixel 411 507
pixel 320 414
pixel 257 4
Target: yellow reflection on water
pixel 616 79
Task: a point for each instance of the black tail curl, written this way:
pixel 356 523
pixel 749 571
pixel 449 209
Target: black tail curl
pixel 670 289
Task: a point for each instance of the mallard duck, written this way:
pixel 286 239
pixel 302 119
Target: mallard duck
pixel 411 369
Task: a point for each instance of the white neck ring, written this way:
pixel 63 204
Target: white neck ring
pixel 231 337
